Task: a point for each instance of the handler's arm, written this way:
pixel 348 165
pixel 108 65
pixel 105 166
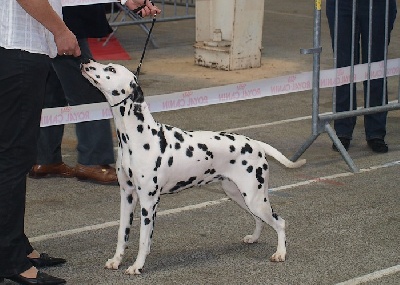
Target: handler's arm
pixel 42 11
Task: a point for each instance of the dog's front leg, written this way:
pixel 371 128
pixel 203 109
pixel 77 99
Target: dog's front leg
pixel 129 199
pixel 148 215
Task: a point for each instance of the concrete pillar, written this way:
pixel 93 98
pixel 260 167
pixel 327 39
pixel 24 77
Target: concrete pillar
pixel 229 33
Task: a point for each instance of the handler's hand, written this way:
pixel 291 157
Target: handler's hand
pixel 67 44
pixel 148 7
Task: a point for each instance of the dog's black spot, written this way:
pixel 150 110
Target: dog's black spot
pixel 115 93
pixel 232 148
pixel 127 231
pixel 153 193
pixel 247 148
pixel 107 77
pixel 177 146
pixel 265 166
pixel 259 175
pixel 210 171
pixel 202 146
pixel 129 198
pixel 137 111
pixel 170 161
pixel 140 128
pixel 163 140
pixel 147 221
pixel 155 179
pixel 118 135
pixel 182 184
pixel 130 172
pixel 259 154
pixel 229 136
pixel 244 162
pixel 129 183
pixel 130 152
pixel 189 151
pixel 265 199
pixel 158 163
pixel 123 138
pixel 275 215
pixel 144 212
pixel 178 136
pixel 154 132
pixel 217 138
pixel 232 161
pixel 244 194
pixel 131 219
pixel 122 110
pixel 210 154
pixel 97 76
pixel 168 127
pixel 146 146
pixel 250 169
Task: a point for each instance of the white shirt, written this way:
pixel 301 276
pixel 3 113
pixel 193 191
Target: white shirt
pixel 18 30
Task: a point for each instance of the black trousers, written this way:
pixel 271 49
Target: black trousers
pixel 66 85
pixel 22 88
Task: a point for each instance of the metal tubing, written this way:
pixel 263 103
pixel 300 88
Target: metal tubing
pixel 320 122
pixel 353 42
pixel 341 148
pixel 367 99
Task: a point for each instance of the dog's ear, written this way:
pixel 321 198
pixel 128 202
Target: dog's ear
pixel 138 94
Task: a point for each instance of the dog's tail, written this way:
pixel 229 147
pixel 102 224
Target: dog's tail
pixel 271 151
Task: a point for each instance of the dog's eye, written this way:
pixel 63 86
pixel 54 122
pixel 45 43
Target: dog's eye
pixel 110 68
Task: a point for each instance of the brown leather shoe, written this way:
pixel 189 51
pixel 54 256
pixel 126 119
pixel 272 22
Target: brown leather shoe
pixel 51 170
pixel 103 174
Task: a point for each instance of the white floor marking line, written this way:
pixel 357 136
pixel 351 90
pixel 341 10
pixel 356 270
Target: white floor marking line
pixel 372 276
pixel 206 204
pixel 268 124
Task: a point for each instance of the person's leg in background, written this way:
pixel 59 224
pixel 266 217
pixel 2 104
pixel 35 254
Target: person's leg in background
pixel 49 159
pixel 95 143
pixel 343 127
pixel 375 124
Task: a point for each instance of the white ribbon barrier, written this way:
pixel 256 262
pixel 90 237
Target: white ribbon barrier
pixel 224 94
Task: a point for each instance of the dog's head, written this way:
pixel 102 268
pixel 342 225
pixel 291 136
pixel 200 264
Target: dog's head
pixel 115 81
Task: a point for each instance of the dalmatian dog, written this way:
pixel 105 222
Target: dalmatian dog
pixel 155 158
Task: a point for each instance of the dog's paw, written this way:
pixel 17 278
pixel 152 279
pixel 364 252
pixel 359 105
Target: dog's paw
pixel 134 270
pixel 112 263
pixel 278 257
pixel 249 239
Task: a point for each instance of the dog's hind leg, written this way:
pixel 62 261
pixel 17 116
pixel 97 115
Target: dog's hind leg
pixel 148 211
pixel 232 191
pixel 129 199
pixel 258 204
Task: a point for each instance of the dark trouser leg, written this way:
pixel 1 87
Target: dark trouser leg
pixel 50 139
pixel 343 127
pixel 22 77
pixel 375 124
pixel 95 145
